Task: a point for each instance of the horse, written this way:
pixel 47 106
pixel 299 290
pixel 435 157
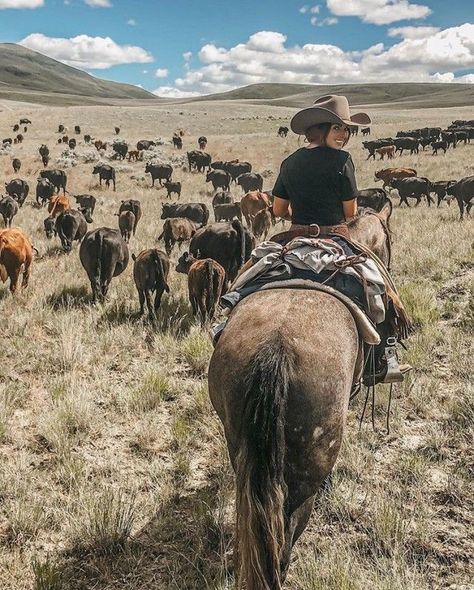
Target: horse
pixel 280 379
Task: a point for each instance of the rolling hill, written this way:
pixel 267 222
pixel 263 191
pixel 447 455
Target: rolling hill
pixel 404 94
pixel 30 76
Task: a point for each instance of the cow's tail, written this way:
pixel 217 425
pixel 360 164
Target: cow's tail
pixel 98 268
pixel 205 218
pixel 3 270
pixel 159 272
pixel 210 283
pixel 239 228
pixel 261 488
pixel 67 244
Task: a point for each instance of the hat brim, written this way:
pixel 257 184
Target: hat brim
pixel 306 118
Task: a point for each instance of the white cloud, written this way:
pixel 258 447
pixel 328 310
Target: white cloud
pixel 315 9
pixel 132 22
pixel 330 20
pixel 264 57
pixel 86 52
pixel 412 32
pixel 99 3
pixel 170 92
pixel 4 4
pixel 304 9
pixel 161 73
pixel 378 12
pixel 314 20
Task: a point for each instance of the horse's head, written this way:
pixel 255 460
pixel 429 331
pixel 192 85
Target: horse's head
pixel 371 229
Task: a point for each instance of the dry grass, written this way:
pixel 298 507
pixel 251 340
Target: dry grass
pixel 114 472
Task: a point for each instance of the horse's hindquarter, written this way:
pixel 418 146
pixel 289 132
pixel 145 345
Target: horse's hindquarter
pixel 321 341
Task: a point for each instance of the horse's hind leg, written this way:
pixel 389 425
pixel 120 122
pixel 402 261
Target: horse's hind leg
pixel 295 525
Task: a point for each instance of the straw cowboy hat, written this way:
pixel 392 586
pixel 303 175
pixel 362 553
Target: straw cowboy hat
pixel 327 109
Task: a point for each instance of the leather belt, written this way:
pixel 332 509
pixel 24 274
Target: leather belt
pixel 310 231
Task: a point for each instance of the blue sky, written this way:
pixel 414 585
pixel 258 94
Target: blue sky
pixel 182 47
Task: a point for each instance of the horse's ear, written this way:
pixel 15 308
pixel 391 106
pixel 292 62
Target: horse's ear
pixel 386 211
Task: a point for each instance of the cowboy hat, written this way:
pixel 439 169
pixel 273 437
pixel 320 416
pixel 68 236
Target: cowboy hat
pixel 327 109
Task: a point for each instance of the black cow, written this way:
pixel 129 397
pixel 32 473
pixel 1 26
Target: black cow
pixel 439 145
pixel 57 177
pixel 375 198
pixel 450 137
pixel 439 189
pixel 229 244
pixel 106 173
pixel 120 148
pixel 365 131
pixel 72 143
pixel 463 190
pixel 6 140
pixel 18 138
pixel 43 150
pixel 196 212
pixel 87 205
pixel 407 143
pixel 150 272
pixel 70 225
pixel 18 189
pixel 60 128
pixel 371 146
pixel 16 128
pixel 49 225
pixel 87 138
pixel 16 165
pixel 415 187
pixel 236 169
pixel 159 172
pixel 77 130
pixel 202 142
pixel 25 122
pixel 173 187
pixel 219 179
pixel 135 207
pixel 144 144
pixel 104 255
pixel 199 160
pixel 227 212
pixel 250 182
pixel 282 131
pixel 8 209
pixel 44 191
pixel 177 142
pixel 221 198
pixel 117 130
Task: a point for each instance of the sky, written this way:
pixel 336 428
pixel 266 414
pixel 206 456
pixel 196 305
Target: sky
pixel 178 48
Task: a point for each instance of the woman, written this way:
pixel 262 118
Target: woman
pixel 316 189
pixel 316 184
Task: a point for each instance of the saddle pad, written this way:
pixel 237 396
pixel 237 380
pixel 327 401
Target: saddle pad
pixel 365 327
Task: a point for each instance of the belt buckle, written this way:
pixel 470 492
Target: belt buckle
pixel 314 230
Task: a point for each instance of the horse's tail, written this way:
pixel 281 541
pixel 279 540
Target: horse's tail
pixel 261 488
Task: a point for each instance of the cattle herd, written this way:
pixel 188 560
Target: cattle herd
pixel 216 250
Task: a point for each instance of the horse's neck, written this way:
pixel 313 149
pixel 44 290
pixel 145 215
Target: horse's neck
pixel 369 231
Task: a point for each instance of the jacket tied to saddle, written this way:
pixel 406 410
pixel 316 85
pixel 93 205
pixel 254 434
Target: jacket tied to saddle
pixel 322 260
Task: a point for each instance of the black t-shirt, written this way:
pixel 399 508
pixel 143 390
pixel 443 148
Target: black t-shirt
pixel 316 181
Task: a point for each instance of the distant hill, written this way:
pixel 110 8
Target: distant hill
pixel 407 94
pixel 30 76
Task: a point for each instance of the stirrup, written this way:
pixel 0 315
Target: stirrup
pixel 395 372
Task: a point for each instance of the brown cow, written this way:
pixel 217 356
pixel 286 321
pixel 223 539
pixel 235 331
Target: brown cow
pixel 150 272
pixel 126 223
pixel 177 229
pixel 261 223
pixel 100 145
pixel 388 150
pixel 133 155
pixel 387 174
pixel 206 279
pixel 252 203
pixel 16 253
pixel 57 205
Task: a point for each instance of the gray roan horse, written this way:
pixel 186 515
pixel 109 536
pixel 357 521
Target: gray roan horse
pixel 280 379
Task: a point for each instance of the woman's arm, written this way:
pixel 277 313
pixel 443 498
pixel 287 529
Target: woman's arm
pixel 282 208
pixel 350 208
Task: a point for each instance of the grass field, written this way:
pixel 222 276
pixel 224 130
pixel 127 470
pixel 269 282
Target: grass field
pixel 114 473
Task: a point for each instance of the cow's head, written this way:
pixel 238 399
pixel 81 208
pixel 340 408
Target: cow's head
pixel 148 168
pixel 50 227
pixel 165 210
pixel 184 263
pixel 209 175
pixel 97 169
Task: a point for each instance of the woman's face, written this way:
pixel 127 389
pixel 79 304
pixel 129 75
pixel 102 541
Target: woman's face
pixel 337 136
